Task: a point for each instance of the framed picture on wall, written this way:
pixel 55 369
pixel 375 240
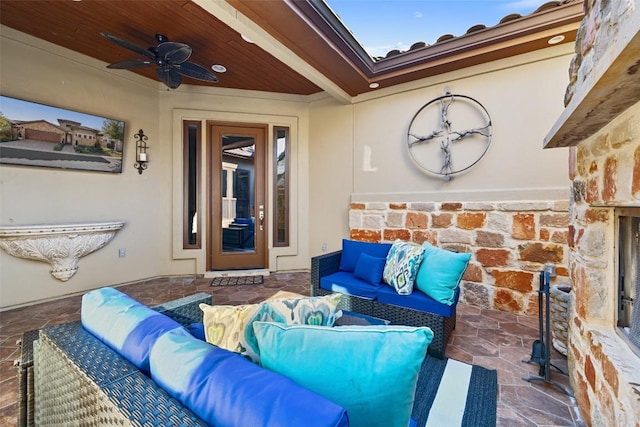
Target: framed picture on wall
pixel 33 134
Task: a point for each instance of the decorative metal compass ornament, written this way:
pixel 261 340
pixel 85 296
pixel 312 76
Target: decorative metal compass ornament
pixel 439 145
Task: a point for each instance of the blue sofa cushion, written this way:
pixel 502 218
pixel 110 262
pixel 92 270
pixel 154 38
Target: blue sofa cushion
pixel 417 301
pixel 351 250
pixel 124 324
pixel 225 389
pixel 370 268
pixel 346 283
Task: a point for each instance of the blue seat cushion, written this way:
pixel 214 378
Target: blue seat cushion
pixel 351 250
pixel 346 283
pixel 417 301
pixel 225 389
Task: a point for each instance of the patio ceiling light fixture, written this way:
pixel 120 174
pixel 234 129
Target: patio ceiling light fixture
pixel 141 151
pixel 556 39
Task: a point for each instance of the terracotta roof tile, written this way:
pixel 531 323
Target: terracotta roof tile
pixel 508 18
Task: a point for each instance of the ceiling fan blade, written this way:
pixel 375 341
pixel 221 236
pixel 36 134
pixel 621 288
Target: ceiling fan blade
pixel 131 64
pixel 175 53
pixel 127 45
pixel 195 71
pixel 169 76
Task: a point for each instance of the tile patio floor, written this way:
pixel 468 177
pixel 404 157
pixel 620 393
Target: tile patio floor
pixel 489 338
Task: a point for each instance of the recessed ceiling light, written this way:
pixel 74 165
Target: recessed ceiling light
pixel 374 85
pixel 245 38
pixel 556 39
pixel 219 68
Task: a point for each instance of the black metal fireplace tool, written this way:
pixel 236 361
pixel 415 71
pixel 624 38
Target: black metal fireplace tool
pixel 540 350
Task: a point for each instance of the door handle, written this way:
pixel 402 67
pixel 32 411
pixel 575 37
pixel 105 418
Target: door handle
pixel 261 218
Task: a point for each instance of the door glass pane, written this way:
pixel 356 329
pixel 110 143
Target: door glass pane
pixel 191 176
pixel 238 193
pixel 281 180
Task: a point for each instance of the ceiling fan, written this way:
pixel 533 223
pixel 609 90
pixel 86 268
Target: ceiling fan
pixel 169 57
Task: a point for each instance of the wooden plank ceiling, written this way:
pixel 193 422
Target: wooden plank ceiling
pixel 77 25
pixel 296 24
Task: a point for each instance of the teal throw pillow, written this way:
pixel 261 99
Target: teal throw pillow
pixel 401 266
pixel 440 273
pixel 371 371
pixel 370 268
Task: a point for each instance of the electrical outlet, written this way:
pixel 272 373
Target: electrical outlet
pixel 122 253
pixel 324 247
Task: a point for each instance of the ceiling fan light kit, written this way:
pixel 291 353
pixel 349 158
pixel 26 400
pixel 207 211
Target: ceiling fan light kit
pixel 171 58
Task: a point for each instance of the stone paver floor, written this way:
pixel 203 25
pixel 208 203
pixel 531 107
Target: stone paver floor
pixel 490 338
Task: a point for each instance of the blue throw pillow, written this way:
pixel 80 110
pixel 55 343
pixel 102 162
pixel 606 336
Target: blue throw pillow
pixel 371 371
pixel 441 272
pixel 351 250
pixel 369 268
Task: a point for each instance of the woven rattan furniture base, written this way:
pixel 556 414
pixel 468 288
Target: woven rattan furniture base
pixel 80 381
pixel 25 379
pixel 441 326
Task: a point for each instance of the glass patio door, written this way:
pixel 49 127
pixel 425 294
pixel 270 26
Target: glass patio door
pixel 237 197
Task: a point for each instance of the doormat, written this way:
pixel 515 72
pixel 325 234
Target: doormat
pixel 237 280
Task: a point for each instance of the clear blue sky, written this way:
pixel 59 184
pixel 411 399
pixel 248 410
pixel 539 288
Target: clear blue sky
pixel 15 109
pixel 384 25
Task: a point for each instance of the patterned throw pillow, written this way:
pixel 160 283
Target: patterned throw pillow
pixel 401 266
pixel 231 327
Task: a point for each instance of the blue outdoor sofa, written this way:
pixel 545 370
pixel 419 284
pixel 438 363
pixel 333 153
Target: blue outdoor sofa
pixel 331 273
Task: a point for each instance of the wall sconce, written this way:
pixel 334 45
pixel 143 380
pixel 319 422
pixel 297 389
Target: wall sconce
pixel 141 151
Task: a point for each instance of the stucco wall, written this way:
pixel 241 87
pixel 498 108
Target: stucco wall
pixel 362 157
pixel 151 203
pixel 40 72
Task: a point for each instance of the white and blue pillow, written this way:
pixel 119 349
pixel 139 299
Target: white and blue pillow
pixel 401 266
pixel 230 327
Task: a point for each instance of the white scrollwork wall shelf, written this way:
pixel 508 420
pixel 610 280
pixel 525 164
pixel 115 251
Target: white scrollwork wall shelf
pixel 61 245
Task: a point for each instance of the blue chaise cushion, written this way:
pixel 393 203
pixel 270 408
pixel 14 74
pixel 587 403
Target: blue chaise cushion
pixel 124 324
pixel 351 250
pixel 225 389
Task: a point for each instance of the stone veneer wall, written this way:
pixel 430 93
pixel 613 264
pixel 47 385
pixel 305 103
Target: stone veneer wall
pixel 605 173
pixel 605 373
pixel 510 242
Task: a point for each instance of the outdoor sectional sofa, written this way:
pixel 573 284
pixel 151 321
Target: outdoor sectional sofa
pixel 80 378
pixel 329 275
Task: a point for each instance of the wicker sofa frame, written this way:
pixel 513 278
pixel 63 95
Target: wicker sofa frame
pixel 78 380
pixel 441 326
